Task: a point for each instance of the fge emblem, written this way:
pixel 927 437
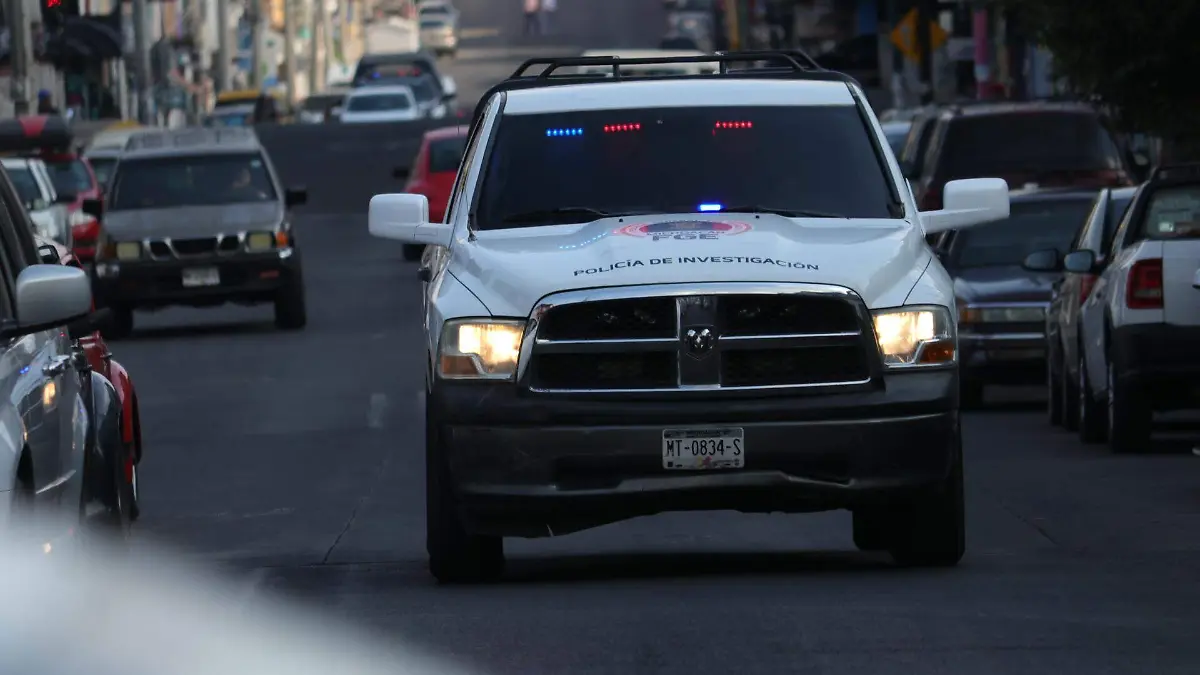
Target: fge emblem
pixel 684 230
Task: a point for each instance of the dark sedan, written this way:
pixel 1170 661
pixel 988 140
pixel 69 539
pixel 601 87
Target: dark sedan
pixel 1001 305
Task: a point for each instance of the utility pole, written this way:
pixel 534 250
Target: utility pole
pixel 141 48
pixel 289 49
pixel 325 21
pixel 926 15
pixel 19 50
pixel 223 57
pixel 314 45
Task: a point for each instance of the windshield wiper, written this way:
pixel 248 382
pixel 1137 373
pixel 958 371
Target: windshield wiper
pixel 568 212
pixel 786 213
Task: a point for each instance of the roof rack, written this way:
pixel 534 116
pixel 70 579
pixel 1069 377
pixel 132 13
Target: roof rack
pixel 780 64
pixel 1182 171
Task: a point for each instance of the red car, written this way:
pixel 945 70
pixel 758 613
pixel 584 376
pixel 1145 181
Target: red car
pixel 433 173
pixel 101 361
pixel 50 138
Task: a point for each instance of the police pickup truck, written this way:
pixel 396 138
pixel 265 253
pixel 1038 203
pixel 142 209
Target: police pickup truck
pixel 686 292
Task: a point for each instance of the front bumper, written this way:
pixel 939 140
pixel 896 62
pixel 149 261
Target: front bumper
pixel 150 284
pixel 531 466
pixel 1161 360
pixel 1003 358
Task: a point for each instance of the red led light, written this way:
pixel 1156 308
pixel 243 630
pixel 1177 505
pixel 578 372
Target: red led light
pixel 734 125
pixel 613 128
pixel 51 4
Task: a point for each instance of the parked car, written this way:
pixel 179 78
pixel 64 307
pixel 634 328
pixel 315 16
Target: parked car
pixel 384 103
pixel 432 174
pixel 36 191
pixel 439 26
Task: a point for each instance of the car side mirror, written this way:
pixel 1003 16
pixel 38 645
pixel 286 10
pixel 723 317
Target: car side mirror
pixel 49 296
pixel 93 208
pixel 967 203
pixel 1080 262
pixel 99 320
pixel 400 172
pixel 1046 260
pixel 295 196
pixel 405 218
pixel 48 255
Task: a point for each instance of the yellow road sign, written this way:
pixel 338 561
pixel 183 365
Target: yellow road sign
pixel 904 36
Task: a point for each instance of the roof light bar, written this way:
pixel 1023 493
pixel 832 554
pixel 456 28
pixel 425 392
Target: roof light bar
pixel 569 131
pixel 614 128
pixel 734 125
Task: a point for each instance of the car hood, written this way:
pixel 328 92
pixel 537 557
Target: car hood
pixel 1003 284
pixel 192 221
pixel 510 270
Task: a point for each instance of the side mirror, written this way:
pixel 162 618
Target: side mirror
pixel 49 296
pixel 449 87
pixel 400 172
pixel 405 217
pixel 48 255
pixel 1046 260
pixel 93 208
pixel 1080 262
pixel 98 320
pixel 966 203
pixel 295 196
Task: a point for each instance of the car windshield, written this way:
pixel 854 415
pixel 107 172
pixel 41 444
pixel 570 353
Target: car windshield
pixel 69 176
pixel 1031 226
pixel 206 180
pixel 1173 213
pixel 423 89
pixel 434 10
pixel 27 187
pixel 378 102
pixel 984 145
pixel 434 23
pixel 782 158
pixel 446 153
pixel 102 167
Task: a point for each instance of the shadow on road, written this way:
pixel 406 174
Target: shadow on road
pixel 215 330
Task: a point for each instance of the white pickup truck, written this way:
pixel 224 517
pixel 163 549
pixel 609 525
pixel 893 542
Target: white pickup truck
pixel 697 292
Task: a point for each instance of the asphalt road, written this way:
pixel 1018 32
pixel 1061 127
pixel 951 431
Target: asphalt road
pixel 296 458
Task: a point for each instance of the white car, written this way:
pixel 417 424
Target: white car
pixel 383 103
pixel 1140 326
pixel 36 190
pixel 679 293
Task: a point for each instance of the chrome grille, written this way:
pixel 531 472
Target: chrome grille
pixel 724 337
pixel 195 247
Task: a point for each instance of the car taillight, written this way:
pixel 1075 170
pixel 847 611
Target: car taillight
pixel 1145 288
pixel 1086 283
pixel 932 199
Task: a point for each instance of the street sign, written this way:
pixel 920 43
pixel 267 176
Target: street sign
pixel 904 36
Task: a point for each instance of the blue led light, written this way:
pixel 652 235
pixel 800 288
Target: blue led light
pixel 571 131
pixel 710 207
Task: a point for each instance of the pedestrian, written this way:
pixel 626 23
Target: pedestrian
pixel 548 9
pixel 45 103
pixel 532 8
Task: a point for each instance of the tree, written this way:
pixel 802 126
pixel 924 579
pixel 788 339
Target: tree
pixel 1140 58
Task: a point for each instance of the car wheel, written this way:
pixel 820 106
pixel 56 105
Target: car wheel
pixel 970 394
pixel 413 252
pixel 1054 387
pixel 121 324
pixel 1091 412
pixel 870 530
pixel 1129 416
pixel 455 555
pixel 290 310
pixel 931 530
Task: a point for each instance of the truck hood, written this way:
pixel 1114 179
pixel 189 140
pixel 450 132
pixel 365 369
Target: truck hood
pixel 510 270
pixel 192 221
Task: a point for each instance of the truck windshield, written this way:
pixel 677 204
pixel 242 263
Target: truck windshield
pixel 1031 226
pixel 171 182
pixel 816 159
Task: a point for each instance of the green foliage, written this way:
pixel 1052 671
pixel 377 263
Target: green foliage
pixel 1141 57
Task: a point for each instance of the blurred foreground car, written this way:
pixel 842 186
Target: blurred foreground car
pixel 432 174
pixel 101 360
pixel 1141 324
pixel 1062 318
pixel 1002 305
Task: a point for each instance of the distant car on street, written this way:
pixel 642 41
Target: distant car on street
pixel 384 103
pixel 432 174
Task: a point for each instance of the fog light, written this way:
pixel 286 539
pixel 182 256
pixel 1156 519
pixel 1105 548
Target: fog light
pixel 129 250
pixel 260 241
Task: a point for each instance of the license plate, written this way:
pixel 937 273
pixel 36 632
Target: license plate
pixel 703 449
pixel 201 276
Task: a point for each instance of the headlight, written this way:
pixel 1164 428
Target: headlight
pixel 480 349
pixel 128 250
pixel 915 336
pixel 260 241
pixel 968 314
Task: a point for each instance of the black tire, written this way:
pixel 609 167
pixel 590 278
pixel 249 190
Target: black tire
pixel 970 393
pixel 290 310
pixel 1130 417
pixel 1069 397
pixel 412 252
pixel 931 531
pixel 455 555
pixel 1092 425
pixel 1054 387
pixel 870 530
pixel 114 524
pixel 120 326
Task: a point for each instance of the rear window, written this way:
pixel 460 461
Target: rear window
pixel 981 145
pixel 70 177
pixel 446 153
pixel 27 187
pixel 378 102
pixel 1031 226
pixel 1173 213
pixel 804 158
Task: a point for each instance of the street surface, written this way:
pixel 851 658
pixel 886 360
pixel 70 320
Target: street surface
pixel 296 459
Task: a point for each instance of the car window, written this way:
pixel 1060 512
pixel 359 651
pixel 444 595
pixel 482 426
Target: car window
pixel 25 184
pixel 70 176
pixel 433 22
pixel 434 10
pixel 446 153
pixel 1117 208
pixel 103 168
pixel 1031 226
pixel 423 89
pixel 808 158
pixel 1086 233
pixel 1173 213
pixel 378 102
pixel 205 180
pixel 917 142
pixel 896 140
pixel 981 145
